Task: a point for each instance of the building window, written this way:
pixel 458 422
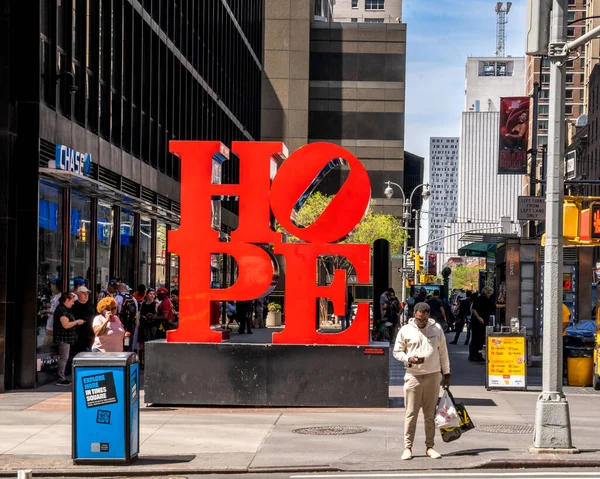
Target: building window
pixel 354 3
pixel 145 250
pixel 545 78
pixel 103 245
pixel 571 16
pixel 543 110
pixel 50 247
pixel 127 246
pixel 374 20
pixel 374 4
pixel 161 255
pixel 568 110
pixel 570 32
pixel 174 271
pixel 569 94
pixel 546 63
pixel 79 239
pixel 543 124
pixel 354 20
pixel 569 78
pixel 572 2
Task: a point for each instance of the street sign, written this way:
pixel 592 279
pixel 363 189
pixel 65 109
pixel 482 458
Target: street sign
pixel 531 208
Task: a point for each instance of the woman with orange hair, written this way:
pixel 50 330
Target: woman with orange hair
pixel 108 329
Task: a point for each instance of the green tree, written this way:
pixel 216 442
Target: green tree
pixel 464 277
pixel 372 227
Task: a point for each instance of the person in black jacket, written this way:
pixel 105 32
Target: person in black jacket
pixel 84 309
pixel 464 310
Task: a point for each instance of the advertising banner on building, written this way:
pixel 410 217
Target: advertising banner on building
pixel 514 135
pixel 432 263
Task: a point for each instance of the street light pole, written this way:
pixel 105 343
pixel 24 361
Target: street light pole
pixel 417 250
pixel 552 421
pixel 407 216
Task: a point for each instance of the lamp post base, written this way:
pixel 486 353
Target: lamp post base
pixel 552 425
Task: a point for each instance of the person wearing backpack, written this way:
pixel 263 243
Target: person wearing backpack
pixel 128 314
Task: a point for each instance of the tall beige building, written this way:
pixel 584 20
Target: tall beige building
pixel 367 11
pixel 592 49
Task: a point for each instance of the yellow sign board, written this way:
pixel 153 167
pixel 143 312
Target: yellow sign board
pixel 506 361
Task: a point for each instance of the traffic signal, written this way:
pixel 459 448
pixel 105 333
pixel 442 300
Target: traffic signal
pixel 419 262
pixel 570 220
pixel 423 278
pixel 411 254
pixel 82 237
pixel 595 220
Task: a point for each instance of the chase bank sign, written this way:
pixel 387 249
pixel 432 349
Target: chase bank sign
pixel 67 159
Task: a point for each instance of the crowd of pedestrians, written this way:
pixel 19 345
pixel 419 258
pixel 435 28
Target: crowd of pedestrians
pixel 116 321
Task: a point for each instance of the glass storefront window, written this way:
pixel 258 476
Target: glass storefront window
pixel 49 255
pixel 161 255
pixel 79 238
pixel 145 251
pixel 103 249
pixel 174 279
pixel 127 247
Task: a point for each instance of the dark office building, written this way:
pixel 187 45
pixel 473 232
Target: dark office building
pixel 88 186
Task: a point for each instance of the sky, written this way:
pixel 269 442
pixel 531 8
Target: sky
pixel 441 35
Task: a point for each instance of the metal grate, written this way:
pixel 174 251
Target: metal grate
pixel 109 178
pixel 148 195
pixel 164 202
pixel 569 255
pixel 47 152
pixel 130 188
pixel 331 430
pixel 506 428
pixel 175 207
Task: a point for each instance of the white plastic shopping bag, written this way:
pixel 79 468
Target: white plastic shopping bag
pixel 445 414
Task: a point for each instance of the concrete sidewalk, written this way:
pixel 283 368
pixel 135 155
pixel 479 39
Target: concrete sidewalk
pixel 35 433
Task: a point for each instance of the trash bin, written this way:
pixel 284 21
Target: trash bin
pixel 106 408
pixel 580 366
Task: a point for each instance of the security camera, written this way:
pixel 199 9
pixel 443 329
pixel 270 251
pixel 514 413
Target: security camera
pixel 388 192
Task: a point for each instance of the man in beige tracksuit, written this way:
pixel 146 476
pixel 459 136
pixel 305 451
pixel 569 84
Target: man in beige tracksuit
pixel 421 346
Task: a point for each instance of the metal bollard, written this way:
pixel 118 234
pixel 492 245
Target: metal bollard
pixel 26 474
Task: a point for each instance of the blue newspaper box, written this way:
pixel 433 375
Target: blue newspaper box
pixel 106 408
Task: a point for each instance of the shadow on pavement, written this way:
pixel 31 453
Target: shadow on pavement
pixel 476 452
pixel 152 460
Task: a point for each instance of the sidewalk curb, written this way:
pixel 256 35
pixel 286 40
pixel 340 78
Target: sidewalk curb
pixel 132 472
pixel 537 463
pixel 167 472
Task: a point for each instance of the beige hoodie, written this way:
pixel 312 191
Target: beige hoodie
pixel 429 342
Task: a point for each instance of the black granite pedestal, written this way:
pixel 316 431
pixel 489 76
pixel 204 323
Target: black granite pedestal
pixel 266 375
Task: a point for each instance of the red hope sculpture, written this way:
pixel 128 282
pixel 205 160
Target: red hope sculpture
pixel 195 240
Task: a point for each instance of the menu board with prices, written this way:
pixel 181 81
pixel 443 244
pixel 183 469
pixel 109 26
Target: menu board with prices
pixel 506 362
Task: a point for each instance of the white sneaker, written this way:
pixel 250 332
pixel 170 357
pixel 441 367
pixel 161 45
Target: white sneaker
pixel 432 453
pixel 406 455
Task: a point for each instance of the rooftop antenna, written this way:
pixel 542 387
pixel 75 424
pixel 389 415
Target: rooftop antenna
pixel 502 12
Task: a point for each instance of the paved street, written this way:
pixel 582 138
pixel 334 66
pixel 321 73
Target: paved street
pixel 466 474
pixel 36 433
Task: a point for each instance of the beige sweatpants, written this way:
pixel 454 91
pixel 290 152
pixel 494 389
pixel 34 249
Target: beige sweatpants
pixel 420 390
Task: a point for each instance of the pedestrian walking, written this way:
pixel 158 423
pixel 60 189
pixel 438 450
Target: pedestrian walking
pixel 421 346
pixel 480 316
pixel 464 311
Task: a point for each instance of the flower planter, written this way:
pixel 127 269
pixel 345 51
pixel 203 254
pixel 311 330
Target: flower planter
pixel 273 319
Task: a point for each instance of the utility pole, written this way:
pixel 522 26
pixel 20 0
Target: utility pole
pixel 547 35
pixel 534 146
pixel 552 420
pixel 417 249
